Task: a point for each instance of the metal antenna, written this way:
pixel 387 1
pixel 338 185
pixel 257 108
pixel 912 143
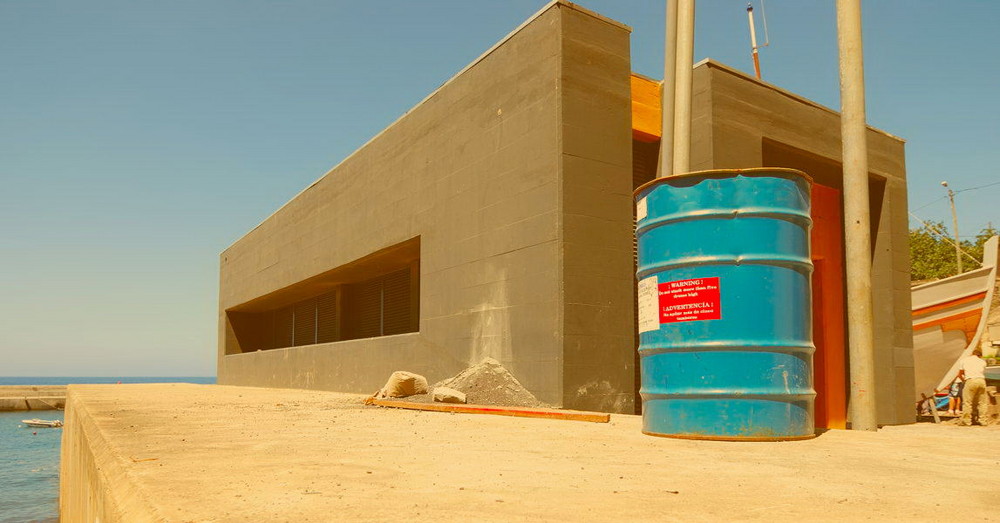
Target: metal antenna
pixel 753 41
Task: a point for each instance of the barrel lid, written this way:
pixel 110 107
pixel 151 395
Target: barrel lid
pixel 724 173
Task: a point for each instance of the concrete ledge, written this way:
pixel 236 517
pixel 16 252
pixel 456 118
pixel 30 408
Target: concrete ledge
pixel 32 397
pixel 184 452
pixel 23 403
pixel 94 485
pixel 46 403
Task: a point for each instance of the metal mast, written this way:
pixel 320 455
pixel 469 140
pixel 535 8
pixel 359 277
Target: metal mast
pixel 753 41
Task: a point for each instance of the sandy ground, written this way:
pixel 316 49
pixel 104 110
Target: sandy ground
pixel 214 453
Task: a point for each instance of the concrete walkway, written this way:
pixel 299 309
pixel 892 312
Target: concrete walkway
pixel 184 452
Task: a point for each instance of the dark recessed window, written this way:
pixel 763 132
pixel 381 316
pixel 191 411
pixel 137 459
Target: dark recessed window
pixel 382 305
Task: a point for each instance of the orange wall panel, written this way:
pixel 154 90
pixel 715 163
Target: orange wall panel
pixel 829 363
pixel 646 109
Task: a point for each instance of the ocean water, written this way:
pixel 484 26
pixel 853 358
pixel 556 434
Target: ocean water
pixel 29 458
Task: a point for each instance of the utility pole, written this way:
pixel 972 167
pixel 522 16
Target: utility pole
pixel 683 76
pixel 857 219
pixel 954 223
pixel 666 167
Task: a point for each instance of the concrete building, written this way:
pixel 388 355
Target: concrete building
pixel 494 219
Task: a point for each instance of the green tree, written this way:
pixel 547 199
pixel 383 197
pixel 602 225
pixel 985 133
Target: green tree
pixel 976 247
pixel 932 253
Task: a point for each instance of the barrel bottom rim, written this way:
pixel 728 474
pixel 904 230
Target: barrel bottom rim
pixel 708 437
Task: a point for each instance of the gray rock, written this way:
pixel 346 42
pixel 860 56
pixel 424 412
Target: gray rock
pixel 446 395
pixel 402 384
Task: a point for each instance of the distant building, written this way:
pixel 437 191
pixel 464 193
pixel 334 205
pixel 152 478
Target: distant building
pixel 494 219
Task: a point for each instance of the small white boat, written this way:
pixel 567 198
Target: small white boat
pixel 42 423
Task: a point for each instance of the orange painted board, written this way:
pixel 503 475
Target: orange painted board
pixel 967 322
pixel 646 109
pixel 519 412
pixel 977 314
pixel 957 301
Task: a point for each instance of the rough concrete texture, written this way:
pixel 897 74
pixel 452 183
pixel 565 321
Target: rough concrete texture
pixel 515 175
pixel 214 453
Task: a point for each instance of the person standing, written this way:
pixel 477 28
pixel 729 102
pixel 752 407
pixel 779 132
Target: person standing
pixel 974 395
pixel 955 397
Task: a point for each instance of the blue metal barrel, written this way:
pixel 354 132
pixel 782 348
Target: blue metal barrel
pixel 725 313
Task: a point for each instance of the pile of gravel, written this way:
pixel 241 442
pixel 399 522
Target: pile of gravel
pixel 487 383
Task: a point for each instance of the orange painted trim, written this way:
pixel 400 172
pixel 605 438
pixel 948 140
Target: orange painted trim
pixel 957 301
pixel 646 109
pixel 830 359
pixel 947 319
pixel 519 412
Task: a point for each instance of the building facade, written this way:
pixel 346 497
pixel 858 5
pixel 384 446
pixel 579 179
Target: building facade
pixel 495 219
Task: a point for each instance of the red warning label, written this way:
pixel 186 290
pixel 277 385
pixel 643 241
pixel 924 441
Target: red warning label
pixel 690 300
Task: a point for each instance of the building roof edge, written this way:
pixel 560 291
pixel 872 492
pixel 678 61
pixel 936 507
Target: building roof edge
pixel 708 62
pixel 473 63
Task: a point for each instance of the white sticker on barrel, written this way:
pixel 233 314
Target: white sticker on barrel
pixel 696 299
pixel 649 301
pixel 640 210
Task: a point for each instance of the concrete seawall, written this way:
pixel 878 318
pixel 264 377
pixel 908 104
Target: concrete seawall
pixel 182 452
pixel 142 452
pixel 32 397
pixel 93 483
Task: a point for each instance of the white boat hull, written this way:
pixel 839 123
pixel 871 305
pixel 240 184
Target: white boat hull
pixel 42 424
pixel 949 318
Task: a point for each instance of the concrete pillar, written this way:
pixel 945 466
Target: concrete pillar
pixel 666 165
pixel 683 74
pixel 857 228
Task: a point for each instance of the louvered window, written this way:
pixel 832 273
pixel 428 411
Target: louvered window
pixel 284 327
pixel 305 322
pixel 327 318
pixel 380 306
pixel 645 157
pixel 396 317
pixel 363 304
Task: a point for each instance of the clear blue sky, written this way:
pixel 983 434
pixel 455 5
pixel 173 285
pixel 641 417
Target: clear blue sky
pixel 140 138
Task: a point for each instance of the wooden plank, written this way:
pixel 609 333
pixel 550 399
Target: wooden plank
pixel 932 405
pixel 518 412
